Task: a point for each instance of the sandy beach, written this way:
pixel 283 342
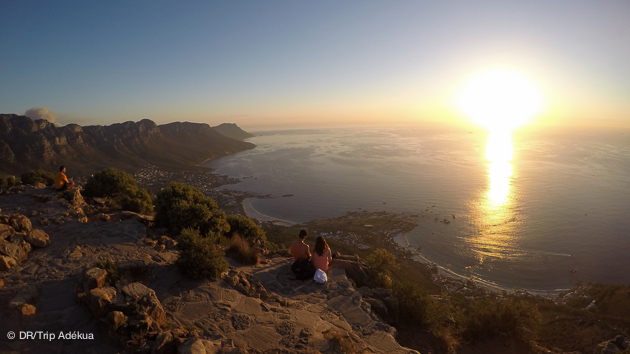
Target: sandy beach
pixel 253 213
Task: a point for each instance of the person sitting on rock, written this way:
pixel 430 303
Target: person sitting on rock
pixel 61 181
pixel 299 249
pixel 322 255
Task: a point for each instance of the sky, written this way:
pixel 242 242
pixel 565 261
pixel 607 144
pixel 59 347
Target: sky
pixel 290 63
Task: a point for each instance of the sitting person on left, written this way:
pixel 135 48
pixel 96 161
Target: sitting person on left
pixel 61 181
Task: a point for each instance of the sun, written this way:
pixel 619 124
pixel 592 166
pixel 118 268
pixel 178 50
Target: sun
pixel 500 100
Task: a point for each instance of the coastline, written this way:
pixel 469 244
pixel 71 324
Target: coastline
pixel 254 213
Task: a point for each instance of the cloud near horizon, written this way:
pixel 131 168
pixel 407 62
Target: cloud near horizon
pixel 42 113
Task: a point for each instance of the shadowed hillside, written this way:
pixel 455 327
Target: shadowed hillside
pixel 26 144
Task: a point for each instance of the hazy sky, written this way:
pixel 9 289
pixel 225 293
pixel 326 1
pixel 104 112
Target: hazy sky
pixel 291 62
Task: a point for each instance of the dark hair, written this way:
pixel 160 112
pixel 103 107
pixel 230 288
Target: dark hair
pixel 61 168
pixel 303 233
pixel 320 245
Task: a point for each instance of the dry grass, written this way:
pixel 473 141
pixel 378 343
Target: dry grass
pixel 242 251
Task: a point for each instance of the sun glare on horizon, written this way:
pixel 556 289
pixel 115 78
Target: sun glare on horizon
pixel 500 100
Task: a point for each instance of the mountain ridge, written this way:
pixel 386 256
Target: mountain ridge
pixel 38 144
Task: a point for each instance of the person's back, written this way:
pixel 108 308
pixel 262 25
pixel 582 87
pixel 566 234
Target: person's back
pixel 322 255
pixel 299 249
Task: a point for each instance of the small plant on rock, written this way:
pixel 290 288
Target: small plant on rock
pixel 113 271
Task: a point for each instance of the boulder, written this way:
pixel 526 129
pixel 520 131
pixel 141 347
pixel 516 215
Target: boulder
pixel 115 320
pixel 16 250
pixel 192 346
pixel 164 344
pixel 39 185
pixel 99 300
pixel 7 262
pixel 94 278
pixel 359 273
pixel 615 345
pixel 146 298
pixel 27 312
pixel 6 231
pixel 168 242
pixel 20 223
pixel 74 197
pixel 247 284
pixel 37 238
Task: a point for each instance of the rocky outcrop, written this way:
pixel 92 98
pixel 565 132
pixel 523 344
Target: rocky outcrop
pixel 616 345
pixel 26 144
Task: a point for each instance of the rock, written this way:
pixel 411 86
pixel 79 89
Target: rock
pixel 168 242
pixel 164 344
pixel 616 345
pixel 20 223
pixel 359 273
pixel 240 321
pixel 1 283
pixel 192 346
pixel 16 250
pixel 104 217
pixel 6 231
pixel 39 185
pixel 27 311
pixel 247 284
pixel 37 238
pixel 146 298
pixel 115 320
pixel 74 197
pixel 94 278
pixel 7 262
pixel 99 300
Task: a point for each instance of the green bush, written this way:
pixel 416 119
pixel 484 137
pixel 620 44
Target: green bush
pixel 121 187
pixel 382 261
pixel 200 257
pixel 242 251
pixel 3 181
pixel 181 206
pixel 11 181
pixel 487 318
pixel 138 201
pixel 38 176
pixel 109 183
pixel 415 304
pixel 245 227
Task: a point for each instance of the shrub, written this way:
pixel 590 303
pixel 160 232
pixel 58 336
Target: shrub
pixel 138 201
pixel 416 305
pixel 121 187
pixel 113 272
pixel 11 181
pixel 3 181
pixel 488 318
pixel 242 251
pixel 109 183
pixel 181 206
pixel 38 176
pixel 200 257
pixel 245 227
pixel 382 261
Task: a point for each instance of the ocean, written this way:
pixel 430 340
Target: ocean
pixel 535 210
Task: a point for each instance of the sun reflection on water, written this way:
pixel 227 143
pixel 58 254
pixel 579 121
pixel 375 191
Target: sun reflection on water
pixel 495 207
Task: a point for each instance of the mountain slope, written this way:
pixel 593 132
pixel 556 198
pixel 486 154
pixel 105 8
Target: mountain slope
pixel 26 144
